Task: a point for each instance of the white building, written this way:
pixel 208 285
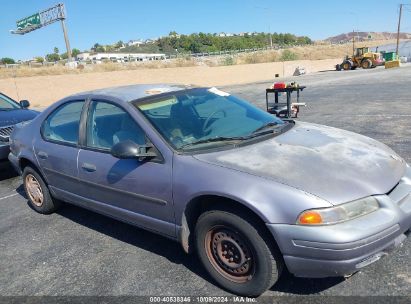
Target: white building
pixel 119 57
pixel 135 42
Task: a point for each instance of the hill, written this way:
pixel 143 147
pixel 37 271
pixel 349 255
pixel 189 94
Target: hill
pixel 366 36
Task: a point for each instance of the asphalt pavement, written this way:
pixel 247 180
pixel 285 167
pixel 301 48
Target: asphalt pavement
pixel 78 252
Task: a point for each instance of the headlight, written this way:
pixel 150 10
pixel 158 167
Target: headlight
pixel 337 214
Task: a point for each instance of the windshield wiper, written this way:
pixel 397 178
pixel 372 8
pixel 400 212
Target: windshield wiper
pixel 265 126
pixel 213 139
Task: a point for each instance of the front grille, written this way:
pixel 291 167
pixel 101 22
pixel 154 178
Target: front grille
pixel 5 133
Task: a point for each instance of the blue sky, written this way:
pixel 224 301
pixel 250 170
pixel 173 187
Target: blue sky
pixel 107 21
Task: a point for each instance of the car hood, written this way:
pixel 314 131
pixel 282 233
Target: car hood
pixel 8 118
pixel 333 164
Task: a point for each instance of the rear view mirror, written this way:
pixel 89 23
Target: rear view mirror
pixel 24 104
pixel 129 149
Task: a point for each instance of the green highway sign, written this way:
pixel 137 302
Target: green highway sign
pixel 33 20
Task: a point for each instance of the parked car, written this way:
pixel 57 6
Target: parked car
pixel 11 113
pixel 250 193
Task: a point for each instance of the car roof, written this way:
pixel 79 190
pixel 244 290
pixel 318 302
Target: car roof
pixel 134 92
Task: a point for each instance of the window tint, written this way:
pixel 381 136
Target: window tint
pixel 162 107
pixel 108 125
pixel 63 124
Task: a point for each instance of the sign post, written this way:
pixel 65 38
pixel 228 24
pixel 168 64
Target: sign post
pixel 44 18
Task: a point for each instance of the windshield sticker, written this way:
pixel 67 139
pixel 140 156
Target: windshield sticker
pixel 218 92
pixel 158 104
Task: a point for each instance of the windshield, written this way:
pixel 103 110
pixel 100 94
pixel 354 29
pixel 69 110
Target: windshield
pixel 198 118
pixel 7 103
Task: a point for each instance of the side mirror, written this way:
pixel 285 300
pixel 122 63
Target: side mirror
pixel 129 149
pixel 24 104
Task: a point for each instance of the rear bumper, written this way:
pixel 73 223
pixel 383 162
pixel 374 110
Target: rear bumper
pixel 342 249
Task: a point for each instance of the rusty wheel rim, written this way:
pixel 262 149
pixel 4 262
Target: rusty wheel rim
pixel 230 254
pixel 34 190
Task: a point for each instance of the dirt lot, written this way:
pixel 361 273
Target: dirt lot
pixel 77 252
pixel 44 90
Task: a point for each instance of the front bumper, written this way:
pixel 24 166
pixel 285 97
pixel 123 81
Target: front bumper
pixel 14 160
pixel 342 249
pixel 4 151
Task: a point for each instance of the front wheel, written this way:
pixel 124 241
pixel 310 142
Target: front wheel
pixel 366 64
pixel 237 253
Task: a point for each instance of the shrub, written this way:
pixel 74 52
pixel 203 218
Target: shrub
pixel 228 60
pixel 287 55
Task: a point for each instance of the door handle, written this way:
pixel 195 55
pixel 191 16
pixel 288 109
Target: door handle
pixel 42 155
pixel 88 167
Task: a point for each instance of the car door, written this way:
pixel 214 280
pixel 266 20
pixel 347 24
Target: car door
pixel 57 148
pixel 136 191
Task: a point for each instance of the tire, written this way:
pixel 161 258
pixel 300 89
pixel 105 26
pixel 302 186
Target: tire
pixel 255 264
pixel 347 65
pixel 38 193
pixel 338 67
pixel 366 64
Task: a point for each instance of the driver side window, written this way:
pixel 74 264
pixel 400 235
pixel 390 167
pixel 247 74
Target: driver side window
pixel 108 124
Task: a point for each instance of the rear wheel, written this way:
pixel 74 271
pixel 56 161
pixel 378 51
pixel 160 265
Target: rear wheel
pixel 38 193
pixel 237 253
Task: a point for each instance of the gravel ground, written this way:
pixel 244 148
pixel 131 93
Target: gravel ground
pixel 77 252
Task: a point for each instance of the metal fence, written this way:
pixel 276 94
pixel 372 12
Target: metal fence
pixel 166 57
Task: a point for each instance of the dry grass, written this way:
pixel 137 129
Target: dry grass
pixel 311 52
pixel 26 71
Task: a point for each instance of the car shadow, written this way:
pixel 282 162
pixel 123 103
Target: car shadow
pixel 6 171
pixel 303 286
pixel 132 235
pixel 173 251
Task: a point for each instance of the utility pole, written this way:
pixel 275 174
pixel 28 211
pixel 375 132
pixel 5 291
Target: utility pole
pixel 63 25
pixel 353 42
pixel 398 31
pixel 271 36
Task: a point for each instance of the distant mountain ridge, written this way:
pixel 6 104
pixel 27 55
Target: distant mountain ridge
pixel 363 36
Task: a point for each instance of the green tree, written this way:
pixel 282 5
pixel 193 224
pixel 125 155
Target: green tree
pixel 98 48
pixel 7 60
pixel 56 50
pixel 119 44
pixel 39 59
pixel 52 57
pixel 75 52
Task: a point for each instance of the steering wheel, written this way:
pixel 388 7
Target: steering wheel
pixel 206 127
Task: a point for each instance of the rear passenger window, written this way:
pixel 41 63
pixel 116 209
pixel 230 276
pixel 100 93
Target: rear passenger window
pixel 63 124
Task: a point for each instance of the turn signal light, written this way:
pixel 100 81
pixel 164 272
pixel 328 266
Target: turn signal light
pixel 340 213
pixel 310 218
